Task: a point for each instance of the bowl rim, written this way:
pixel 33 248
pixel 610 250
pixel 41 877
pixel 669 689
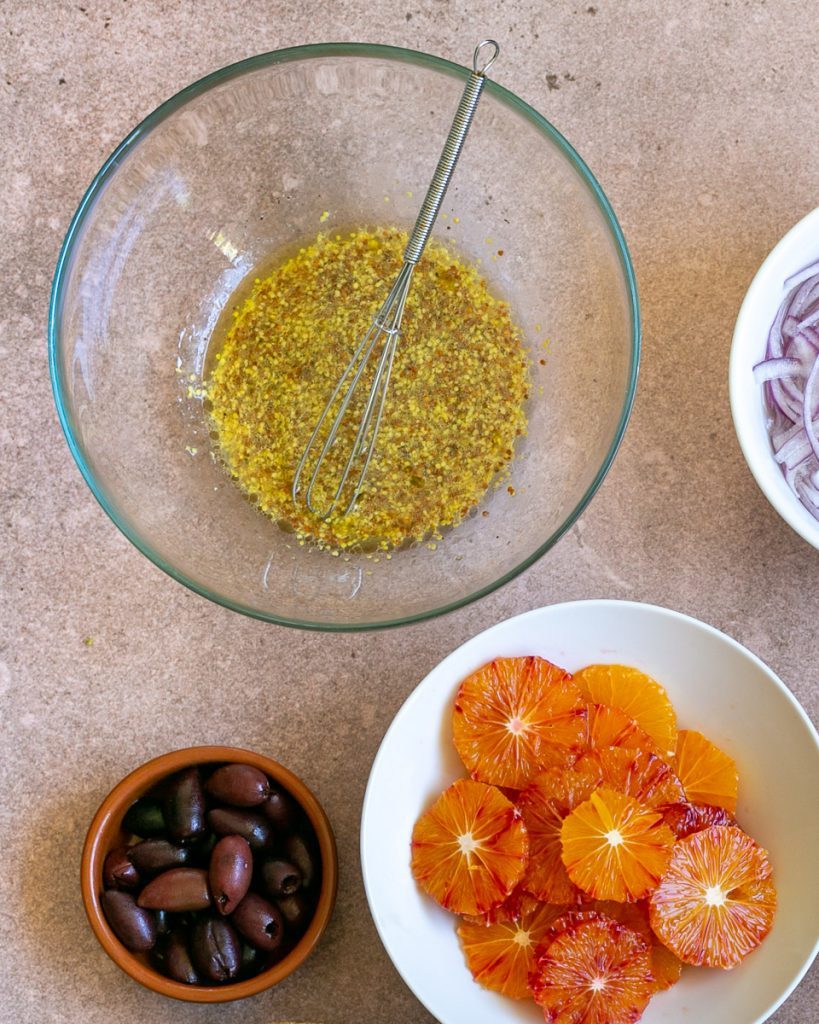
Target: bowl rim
pixel 235 70
pixel 138 782
pixel 747 347
pixel 588 605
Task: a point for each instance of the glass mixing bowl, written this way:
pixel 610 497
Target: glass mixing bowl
pixel 246 162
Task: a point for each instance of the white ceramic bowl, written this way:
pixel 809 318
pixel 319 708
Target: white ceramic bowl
pixel 796 250
pixel 717 686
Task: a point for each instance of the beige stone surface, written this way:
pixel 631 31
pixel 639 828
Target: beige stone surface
pixel 699 120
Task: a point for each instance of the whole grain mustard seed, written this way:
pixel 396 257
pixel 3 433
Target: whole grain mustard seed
pixel 455 405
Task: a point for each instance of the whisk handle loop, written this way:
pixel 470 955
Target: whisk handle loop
pixel 451 152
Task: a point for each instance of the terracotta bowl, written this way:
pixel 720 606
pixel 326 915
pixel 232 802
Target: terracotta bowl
pixel 106 833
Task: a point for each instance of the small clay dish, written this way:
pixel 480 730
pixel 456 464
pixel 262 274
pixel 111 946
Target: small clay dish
pixel 106 833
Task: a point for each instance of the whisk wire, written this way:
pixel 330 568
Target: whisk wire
pixel 387 322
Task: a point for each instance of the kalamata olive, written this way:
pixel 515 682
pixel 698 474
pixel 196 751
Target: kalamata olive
pixel 253 960
pixel 215 948
pixel 163 922
pixel 240 785
pixel 227 821
pixel 133 926
pixel 144 818
pixel 230 872
pixel 177 961
pixel 259 922
pixel 177 890
pixel 184 805
pixel 118 872
pixel 296 911
pixel 153 855
pixel 278 808
pixel 281 878
pixel 300 853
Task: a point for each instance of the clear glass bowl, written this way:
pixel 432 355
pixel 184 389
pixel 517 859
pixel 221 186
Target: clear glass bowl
pixel 244 163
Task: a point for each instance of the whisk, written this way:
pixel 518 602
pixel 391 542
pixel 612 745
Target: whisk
pixel 385 328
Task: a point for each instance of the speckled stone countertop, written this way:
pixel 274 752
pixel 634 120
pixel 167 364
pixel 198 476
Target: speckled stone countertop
pixel 699 120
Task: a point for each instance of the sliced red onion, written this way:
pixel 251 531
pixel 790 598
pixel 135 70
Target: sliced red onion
pixel 789 377
pixel 773 369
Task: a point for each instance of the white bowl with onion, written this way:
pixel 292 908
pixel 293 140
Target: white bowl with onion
pixel 774 378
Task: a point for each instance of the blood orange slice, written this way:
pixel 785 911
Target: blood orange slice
pixel 708 775
pixel 639 774
pixel 716 901
pixel 610 727
pixel 595 971
pixel 469 849
pixel 509 713
pixel 637 695
pixel 501 956
pixel 685 819
pixel 544 804
pixel 665 967
pixel 614 847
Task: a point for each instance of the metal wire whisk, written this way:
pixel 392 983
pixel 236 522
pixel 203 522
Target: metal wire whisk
pixel 386 324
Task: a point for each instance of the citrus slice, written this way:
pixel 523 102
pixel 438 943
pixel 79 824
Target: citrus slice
pixel 708 775
pixel 716 901
pixel 615 848
pixel 593 972
pixel 508 711
pixel 545 802
pixel 685 819
pixel 610 727
pixel 637 695
pixel 665 967
pixel 469 849
pixel 501 956
pixel 639 774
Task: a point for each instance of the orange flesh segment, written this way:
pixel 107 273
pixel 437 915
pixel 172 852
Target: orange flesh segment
pixel 665 967
pixel 639 774
pixel 637 695
pixel 544 804
pixel 594 972
pixel 708 775
pixel 716 902
pixel 615 848
pixel 469 850
pixel 501 955
pixel 508 715
pixel 684 819
pixel 610 727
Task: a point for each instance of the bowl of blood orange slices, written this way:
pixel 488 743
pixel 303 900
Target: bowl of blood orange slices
pixel 596 813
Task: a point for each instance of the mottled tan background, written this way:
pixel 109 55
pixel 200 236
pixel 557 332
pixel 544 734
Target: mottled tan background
pixel 699 119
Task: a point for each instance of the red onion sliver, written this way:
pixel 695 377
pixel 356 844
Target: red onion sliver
pixel 811 395
pixel 772 369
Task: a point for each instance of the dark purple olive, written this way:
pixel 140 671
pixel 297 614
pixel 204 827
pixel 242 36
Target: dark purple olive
pixel 230 872
pixel 153 855
pixel 259 922
pixel 240 785
pixel 227 821
pixel 216 951
pixel 177 961
pixel 281 878
pixel 177 890
pixel 253 960
pixel 118 872
pixel 184 805
pixel 296 911
pixel 300 853
pixel 134 927
pixel 280 810
pixel 144 818
pixel 163 922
